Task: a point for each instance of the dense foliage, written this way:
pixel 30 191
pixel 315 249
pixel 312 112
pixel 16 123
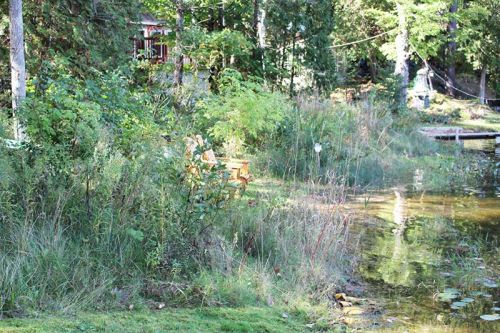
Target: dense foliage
pixel 103 206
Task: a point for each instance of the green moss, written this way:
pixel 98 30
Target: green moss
pixel 248 319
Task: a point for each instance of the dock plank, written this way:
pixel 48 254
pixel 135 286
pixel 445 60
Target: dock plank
pixel 456 133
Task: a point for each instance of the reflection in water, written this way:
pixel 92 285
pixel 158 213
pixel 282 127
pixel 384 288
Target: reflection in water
pixel 398 269
pixel 398 213
pixel 491 149
pixel 410 242
pixel 414 245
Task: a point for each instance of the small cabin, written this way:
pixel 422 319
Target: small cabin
pixel 148 43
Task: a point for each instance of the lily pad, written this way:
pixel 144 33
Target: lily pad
pixel 452 291
pixel 467 300
pixel 449 294
pixel 476 293
pixel 458 305
pixel 490 284
pixel 495 309
pixel 490 317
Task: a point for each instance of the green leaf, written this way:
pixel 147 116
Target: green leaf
pixel 135 234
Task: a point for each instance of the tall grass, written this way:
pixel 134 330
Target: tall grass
pixel 115 225
pixel 291 240
pixel 67 239
pixel 364 143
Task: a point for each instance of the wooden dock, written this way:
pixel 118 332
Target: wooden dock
pixel 457 134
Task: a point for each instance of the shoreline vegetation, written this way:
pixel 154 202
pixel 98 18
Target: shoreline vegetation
pixel 247 166
pixel 276 243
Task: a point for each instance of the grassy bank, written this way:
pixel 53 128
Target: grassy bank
pixel 111 213
pixel 469 114
pixel 207 320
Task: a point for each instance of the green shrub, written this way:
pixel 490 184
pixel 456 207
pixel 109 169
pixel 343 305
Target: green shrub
pixel 92 203
pixel 244 114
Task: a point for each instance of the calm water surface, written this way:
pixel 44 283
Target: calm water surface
pixel 418 247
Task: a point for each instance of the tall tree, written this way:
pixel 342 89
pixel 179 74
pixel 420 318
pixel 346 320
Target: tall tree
pixel 222 17
pixel 179 55
pixel 316 30
pixel 402 53
pixel 452 48
pixel 17 63
pixel 479 38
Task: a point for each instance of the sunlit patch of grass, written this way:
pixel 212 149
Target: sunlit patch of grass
pixel 491 121
pixel 469 114
pixel 248 319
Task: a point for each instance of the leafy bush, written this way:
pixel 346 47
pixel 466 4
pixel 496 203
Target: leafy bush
pixel 212 49
pixel 65 114
pixel 244 114
pixel 92 203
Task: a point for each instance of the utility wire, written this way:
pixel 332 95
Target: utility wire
pixel 363 40
pixel 446 81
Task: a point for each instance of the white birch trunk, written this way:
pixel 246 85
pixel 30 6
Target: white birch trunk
pixel 17 64
pixel 261 27
pixel 402 54
pixel 452 48
pixel 482 86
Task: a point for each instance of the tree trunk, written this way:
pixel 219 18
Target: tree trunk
pixel 255 22
pixel 452 48
pixel 482 86
pixel 17 64
pixel 259 31
pixel 402 55
pixel 222 19
pixel 261 27
pixel 283 50
pixel 179 28
pixel 211 20
pixel 292 74
pixel 373 67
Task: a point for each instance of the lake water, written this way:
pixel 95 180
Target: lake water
pixel 431 261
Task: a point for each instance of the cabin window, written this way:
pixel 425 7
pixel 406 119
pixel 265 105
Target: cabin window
pixel 150 46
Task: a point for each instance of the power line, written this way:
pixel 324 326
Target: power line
pixel 362 40
pixel 446 81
